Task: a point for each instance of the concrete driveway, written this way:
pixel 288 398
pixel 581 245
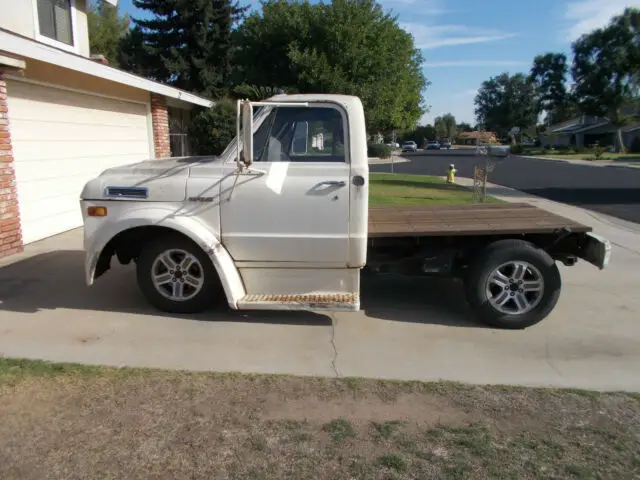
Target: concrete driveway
pixel 407 330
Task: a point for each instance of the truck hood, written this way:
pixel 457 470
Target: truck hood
pixel 151 180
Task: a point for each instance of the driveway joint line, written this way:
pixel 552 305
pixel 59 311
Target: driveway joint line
pixel 334 360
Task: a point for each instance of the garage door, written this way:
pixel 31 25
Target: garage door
pixel 62 139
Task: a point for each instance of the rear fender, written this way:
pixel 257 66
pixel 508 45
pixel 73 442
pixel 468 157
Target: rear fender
pixel 191 227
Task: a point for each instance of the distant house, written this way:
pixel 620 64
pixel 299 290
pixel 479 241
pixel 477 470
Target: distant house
pixel 471 138
pixel 588 130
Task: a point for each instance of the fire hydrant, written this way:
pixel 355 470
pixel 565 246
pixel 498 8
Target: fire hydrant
pixel 451 174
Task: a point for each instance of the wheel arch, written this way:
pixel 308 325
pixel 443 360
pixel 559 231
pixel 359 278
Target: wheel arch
pixel 128 239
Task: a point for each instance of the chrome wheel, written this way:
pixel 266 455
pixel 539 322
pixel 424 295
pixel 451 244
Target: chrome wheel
pixel 177 275
pixel 515 288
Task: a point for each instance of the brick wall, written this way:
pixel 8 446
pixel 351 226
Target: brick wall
pixel 160 118
pixel 10 232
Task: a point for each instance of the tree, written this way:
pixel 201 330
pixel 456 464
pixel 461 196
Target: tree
pixel 106 29
pixel 549 75
pixel 440 127
pixel 606 69
pixel 450 125
pixel 445 126
pixel 187 44
pixel 213 128
pixel 345 46
pixel 506 101
pixel 256 92
pixel 464 127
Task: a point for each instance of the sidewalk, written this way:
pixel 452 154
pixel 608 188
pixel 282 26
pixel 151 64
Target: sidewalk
pixel 589 163
pixel 620 232
pixel 384 161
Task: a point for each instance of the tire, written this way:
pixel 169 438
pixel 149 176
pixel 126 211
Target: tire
pixel 155 261
pixel 484 291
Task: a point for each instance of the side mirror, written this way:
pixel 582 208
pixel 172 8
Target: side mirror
pixel 244 130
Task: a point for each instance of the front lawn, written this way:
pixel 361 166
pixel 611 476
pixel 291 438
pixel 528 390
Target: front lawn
pixel 399 189
pixel 78 422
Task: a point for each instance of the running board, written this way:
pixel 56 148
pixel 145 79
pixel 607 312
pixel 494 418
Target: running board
pixel 349 302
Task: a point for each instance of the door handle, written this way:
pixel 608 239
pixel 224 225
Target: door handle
pixel 334 183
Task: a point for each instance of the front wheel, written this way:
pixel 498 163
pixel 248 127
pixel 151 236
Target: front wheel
pixel 176 276
pixel 513 284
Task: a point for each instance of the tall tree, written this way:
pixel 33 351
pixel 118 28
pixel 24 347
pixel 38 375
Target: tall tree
pixel 186 43
pixel 450 125
pixel 106 29
pixel 464 127
pixel 506 101
pixel 445 126
pixel 344 46
pixel 549 75
pixel 606 68
pixel 440 127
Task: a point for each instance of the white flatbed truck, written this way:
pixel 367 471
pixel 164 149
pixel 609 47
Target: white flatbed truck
pixel 281 220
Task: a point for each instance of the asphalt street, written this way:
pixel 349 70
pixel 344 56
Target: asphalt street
pixel 612 190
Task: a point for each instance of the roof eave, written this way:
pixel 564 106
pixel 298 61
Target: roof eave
pixel 29 48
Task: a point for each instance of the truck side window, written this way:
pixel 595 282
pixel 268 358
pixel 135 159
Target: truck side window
pixel 300 134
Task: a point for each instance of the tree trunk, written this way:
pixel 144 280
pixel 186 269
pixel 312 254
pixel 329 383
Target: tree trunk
pixel 620 147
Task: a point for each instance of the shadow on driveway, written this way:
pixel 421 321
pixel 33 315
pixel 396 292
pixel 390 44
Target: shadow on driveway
pixel 55 280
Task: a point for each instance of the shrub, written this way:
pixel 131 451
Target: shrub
pixel 379 150
pixel 598 152
pixel 635 145
pixel 561 147
pixel 517 149
pixel 213 128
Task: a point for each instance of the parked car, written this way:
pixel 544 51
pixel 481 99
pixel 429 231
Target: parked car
pixel 446 144
pixel 433 146
pixel 393 145
pixel 410 146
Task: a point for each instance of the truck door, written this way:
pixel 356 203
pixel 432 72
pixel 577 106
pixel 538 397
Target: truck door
pixel 292 205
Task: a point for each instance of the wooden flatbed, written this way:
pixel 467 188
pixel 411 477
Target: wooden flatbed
pixel 457 220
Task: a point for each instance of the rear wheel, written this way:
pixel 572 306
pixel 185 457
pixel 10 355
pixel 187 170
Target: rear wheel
pixel 513 284
pixel 176 276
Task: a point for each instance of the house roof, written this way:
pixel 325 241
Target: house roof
pixel 579 128
pixel 475 134
pixel 26 47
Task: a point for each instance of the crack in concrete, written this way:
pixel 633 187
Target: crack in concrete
pixel 550 360
pixel 334 361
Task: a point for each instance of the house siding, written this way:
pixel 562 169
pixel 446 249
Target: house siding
pixel 18 17
pixel 10 231
pixel 160 120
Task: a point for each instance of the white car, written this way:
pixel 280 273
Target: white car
pixel 410 146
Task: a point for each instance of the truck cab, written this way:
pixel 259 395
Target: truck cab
pixel 277 221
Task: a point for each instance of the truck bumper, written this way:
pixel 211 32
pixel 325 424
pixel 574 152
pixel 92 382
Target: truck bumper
pixel 597 250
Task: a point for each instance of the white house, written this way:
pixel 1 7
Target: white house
pixel 65 117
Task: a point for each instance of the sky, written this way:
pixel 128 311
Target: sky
pixel 465 42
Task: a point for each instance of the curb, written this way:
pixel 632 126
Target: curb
pixel 589 163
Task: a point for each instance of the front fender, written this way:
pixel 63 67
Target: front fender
pixel 100 231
